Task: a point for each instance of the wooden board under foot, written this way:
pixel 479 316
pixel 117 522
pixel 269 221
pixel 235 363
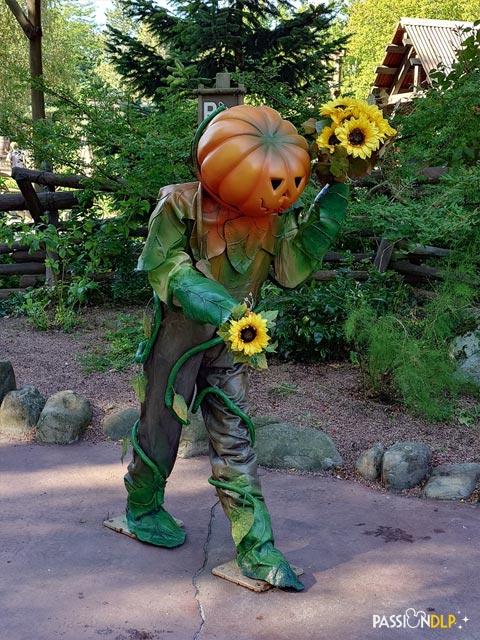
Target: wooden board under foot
pixel 119 524
pixel 230 571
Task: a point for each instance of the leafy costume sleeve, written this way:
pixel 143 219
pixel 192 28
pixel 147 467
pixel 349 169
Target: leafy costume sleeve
pixel 170 269
pixel 307 237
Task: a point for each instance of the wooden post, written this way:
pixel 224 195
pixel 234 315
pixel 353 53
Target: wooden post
pixel 31 25
pixel 221 94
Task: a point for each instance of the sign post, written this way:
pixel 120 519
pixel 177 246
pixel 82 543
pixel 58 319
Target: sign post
pixel 221 94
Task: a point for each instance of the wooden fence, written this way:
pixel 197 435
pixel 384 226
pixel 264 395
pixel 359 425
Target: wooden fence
pixel 46 204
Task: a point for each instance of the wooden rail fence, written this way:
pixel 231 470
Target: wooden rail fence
pixel 45 205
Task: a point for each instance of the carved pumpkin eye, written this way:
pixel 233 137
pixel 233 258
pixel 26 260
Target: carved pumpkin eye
pixel 298 181
pixel 276 182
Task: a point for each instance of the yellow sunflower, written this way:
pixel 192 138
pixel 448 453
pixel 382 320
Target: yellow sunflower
pixel 339 109
pixel 249 334
pixel 375 115
pixel 327 139
pixel 359 137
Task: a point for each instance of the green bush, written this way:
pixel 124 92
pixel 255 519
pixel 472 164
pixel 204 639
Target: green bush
pixel 310 323
pixel 408 357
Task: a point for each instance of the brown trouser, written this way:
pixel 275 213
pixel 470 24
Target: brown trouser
pixel 230 450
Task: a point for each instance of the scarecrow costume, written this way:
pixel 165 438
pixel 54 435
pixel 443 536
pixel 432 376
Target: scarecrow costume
pixel 210 245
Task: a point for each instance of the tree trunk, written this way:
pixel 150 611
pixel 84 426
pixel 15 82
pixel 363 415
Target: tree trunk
pixel 36 67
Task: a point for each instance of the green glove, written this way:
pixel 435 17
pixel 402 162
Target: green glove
pixel 322 222
pixel 201 299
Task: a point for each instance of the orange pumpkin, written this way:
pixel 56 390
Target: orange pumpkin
pixel 252 160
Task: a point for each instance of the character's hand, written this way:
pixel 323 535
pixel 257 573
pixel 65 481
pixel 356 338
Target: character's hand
pixel 323 221
pixel 201 299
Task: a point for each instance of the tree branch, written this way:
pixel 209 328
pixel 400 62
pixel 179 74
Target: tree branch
pixel 22 19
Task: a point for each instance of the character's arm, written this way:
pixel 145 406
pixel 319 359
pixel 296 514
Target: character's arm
pixel 170 270
pixel 307 237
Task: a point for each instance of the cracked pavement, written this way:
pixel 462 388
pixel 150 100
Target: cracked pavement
pixel 364 553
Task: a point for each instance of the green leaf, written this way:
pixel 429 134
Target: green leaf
pixel 125 444
pixel 139 384
pixel 147 325
pixel 321 124
pixel 339 165
pixel 272 347
pixel 259 361
pixel 180 407
pixel 242 521
pixel 224 331
pixel 239 311
pixel 269 316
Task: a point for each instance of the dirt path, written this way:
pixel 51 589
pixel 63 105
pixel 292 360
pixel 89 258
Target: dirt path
pixel 323 396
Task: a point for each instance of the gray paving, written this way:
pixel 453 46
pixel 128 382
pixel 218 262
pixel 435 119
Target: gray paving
pixel 365 554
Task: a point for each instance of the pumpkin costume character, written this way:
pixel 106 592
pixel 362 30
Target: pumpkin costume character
pixel 211 244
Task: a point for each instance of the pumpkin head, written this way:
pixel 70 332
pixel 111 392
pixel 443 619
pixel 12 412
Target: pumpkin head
pixel 253 161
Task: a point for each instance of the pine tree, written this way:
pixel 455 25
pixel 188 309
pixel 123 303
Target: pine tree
pixel 213 36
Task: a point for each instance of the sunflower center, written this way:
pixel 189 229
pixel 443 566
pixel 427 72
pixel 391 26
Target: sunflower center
pixel 356 137
pixel 333 139
pixel 248 334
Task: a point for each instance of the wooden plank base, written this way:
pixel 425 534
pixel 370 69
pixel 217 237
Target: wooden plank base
pixel 230 571
pixel 119 524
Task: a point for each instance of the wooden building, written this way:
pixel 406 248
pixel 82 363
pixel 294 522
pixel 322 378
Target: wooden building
pixel 418 47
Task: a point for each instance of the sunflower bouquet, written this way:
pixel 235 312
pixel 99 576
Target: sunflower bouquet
pixel 348 139
pixel 247 337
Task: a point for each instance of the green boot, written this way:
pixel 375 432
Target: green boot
pixel 146 517
pixel 253 537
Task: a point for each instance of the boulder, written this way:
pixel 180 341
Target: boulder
pixel 406 464
pixel 194 439
pixel 65 415
pixel 369 462
pixel 119 425
pixel 283 446
pixel 452 481
pixel 7 378
pixel 20 410
pixel 467 350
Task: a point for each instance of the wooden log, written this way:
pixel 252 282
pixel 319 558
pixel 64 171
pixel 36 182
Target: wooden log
pixel 333 256
pixel 426 251
pixel 48 200
pixel 54 180
pixel 422 271
pixel 325 275
pixel 5 293
pixel 25 256
pixel 7 248
pixel 384 254
pixel 31 199
pixel 31 280
pixel 20 269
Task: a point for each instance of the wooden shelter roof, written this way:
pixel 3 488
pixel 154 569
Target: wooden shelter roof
pixel 418 46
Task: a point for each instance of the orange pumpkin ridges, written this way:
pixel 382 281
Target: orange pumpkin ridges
pixel 252 160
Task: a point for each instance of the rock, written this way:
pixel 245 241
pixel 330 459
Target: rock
pixel 65 415
pixel 406 464
pixel 369 462
pixel 283 446
pixel 20 410
pixel 7 378
pixel 467 349
pixel 118 425
pixel 452 481
pixel 470 367
pixel 467 345
pixel 194 439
